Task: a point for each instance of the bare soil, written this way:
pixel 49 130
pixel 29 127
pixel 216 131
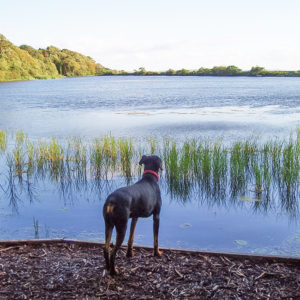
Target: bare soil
pixel 69 270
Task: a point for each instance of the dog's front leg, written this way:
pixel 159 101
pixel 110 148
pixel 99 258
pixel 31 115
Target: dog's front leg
pixel 155 233
pixel 131 237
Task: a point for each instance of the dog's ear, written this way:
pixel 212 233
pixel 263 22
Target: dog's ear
pixel 143 160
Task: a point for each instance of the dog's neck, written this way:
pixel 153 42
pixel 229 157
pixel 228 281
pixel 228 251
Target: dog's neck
pixel 151 172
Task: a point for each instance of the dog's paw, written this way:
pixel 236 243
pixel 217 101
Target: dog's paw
pixel 129 253
pixel 158 253
pixel 114 272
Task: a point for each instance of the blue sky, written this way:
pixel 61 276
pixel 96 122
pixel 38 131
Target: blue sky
pixel 162 34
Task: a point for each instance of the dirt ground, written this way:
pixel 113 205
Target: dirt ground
pixel 66 270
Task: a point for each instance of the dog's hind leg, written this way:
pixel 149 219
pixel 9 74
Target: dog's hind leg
pixel 155 233
pixel 108 233
pixel 121 230
pixel 131 237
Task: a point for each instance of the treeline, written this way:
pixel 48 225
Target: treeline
pixel 217 71
pixel 26 63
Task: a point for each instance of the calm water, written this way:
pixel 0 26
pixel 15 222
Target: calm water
pixel 179 107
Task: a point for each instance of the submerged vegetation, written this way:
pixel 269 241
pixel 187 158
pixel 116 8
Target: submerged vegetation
pixel 249 171
pixel 27 63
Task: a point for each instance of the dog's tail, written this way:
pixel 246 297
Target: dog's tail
pixel 108 210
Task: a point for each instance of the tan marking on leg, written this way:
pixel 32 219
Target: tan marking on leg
pixel 110 208
pixel 131 237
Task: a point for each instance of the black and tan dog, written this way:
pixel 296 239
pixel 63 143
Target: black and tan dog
pixel 141 199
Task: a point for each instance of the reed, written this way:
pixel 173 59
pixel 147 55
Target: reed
pixel 19 160
pixel 206 161
pixel 79 160
pixel 126 148
pixel 20 137
pixel 290 165
pixel 30 150
pixel 212 167
pixel 110 153
pixel 153 145
pixel 171 161
pixel 237 168
pixel 55 158
pixel 3 140
pixel 96 157
pixel 219 165
pixel 42 157
pixel 36 228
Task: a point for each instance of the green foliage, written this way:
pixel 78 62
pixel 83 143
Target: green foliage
pixel 27 63
pixel 243 170
pixel 215 71
pixel 3 138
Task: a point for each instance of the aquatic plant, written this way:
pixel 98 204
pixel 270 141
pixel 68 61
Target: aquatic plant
pixel 152 145
pixel 36 228
pixel 96 157
pixel 219 165
pixel 215 169
pixel 19 137
pixel 30 150
pixel 127 151
pixel 290 165
pixel 19 160
pixel 237 168
pixel 3 140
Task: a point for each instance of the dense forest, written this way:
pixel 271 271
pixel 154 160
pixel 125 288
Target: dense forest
pixel 26 63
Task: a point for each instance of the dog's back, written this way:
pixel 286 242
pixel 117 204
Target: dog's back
pixel 138 200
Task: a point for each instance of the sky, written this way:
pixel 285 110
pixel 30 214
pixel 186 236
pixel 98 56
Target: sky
pixel 162 34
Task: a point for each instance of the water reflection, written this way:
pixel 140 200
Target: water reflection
pixel 72 185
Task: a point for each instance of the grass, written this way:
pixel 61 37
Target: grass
pixel 3 139
pixel 212 167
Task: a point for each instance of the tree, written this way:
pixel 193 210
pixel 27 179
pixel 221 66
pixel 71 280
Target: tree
pixel 142 71
pixel 2 37
pixel 170 72
pixel 233 70
pixel 257 71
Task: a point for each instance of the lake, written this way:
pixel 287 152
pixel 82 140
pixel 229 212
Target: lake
pixel 180 108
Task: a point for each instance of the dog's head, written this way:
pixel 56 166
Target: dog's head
pixel 151 162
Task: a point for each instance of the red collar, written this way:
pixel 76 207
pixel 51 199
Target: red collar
pixel 151 172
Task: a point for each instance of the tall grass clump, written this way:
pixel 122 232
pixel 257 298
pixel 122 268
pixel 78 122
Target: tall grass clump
pixel 205 154
pixel 110 153
pixel 78 158
pixel 219 166
pixel 185 164
pixel 213 168
pixel 3 140
pixel 30 150
pixel 96 159
pixel 267 167
pixel 171 161
pixel 20 136
pixel 55 158
pixel 19 160
pixel 126 148
pixel 153 145
pixel 290 165
pixel 237 168
pixel 276 160
pixel 42 157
